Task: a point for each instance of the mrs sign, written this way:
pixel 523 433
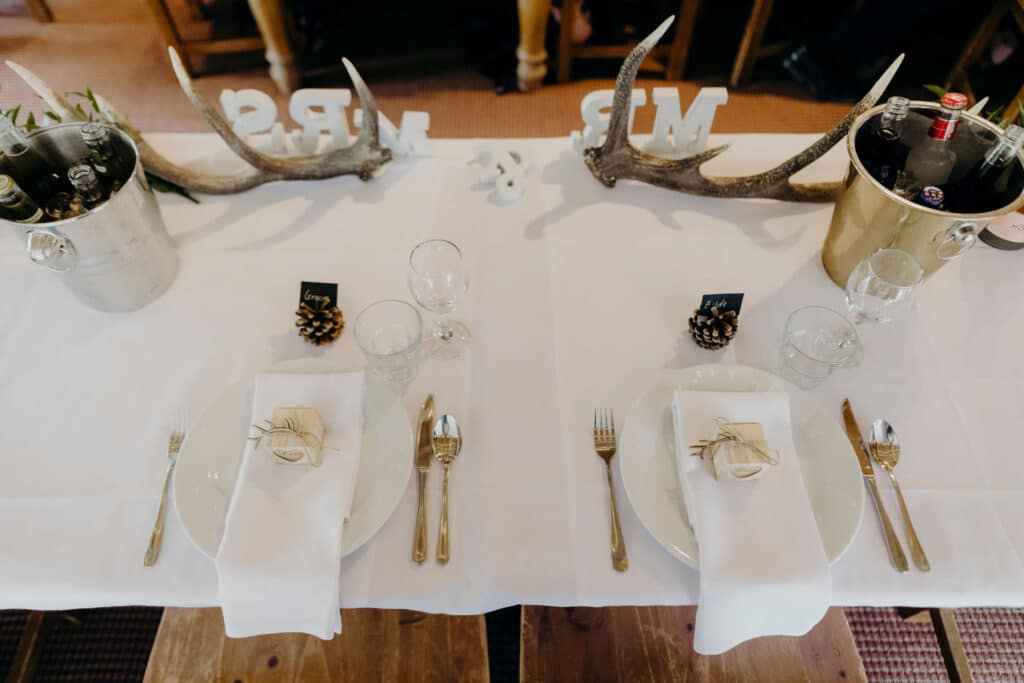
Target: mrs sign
pixel 317 111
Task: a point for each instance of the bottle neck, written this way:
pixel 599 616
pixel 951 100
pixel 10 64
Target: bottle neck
pixel 10 193
pixel 944 125
pixel 12 141
pixel 890 126
pixel 86 185
pixel 1006 148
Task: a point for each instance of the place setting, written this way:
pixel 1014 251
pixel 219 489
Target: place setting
pixel 293 469
pixel 750 480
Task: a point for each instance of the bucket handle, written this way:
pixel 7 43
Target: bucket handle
pixel 51 249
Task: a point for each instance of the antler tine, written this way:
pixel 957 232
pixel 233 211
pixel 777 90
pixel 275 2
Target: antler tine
pixel 157 164
pixel 54 100
pixel 364 158
pixel 214 118
pixel 617 158
pixel 369 131
pixel 775 182
pixel 617 152
pixel 618 125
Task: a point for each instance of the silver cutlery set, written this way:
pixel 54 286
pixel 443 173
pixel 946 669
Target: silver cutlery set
pixel 885 449
pixel 442 440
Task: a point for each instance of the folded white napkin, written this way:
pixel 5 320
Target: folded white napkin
pixel 279 560
pixel 763 570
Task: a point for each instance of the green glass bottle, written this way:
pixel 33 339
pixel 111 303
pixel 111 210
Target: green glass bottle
pixel 87 186
pixel 112 169
pixel 32 171
pixel 86 196
pixel 15 205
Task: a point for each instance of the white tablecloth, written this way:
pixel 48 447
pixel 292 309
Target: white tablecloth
pixel 579 299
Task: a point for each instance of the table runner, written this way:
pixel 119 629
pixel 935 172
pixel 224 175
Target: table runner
pixel 579 298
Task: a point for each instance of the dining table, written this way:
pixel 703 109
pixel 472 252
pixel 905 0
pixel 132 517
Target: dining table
pixel 578 299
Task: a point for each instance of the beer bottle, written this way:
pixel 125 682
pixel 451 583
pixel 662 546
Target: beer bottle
pixel 111 168
pixel 27 165
pixel 15 205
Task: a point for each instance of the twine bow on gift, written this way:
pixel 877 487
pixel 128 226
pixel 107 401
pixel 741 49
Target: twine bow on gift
pixel 287 426
pixel 727 434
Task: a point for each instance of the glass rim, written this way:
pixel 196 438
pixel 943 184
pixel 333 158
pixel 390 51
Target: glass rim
pixel 432 241
pixel 379 302
pixel 837 314
pixel 893 250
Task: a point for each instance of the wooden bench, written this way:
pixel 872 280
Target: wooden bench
pixel 655 644
pixel 376 645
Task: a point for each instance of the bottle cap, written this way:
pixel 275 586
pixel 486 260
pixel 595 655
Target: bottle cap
pixel 954 100
pixel 932 196
pixel 7 185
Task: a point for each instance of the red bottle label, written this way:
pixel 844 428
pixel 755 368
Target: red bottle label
pixel 942 129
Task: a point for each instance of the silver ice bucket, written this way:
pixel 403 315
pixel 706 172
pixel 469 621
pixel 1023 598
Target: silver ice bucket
pixel 117 257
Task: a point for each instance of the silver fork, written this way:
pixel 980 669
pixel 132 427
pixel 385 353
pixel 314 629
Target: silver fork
pixel 604 444
pixel 173 446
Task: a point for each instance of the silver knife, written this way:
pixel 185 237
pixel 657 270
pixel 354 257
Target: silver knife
pixel 896 556
pixel 424 450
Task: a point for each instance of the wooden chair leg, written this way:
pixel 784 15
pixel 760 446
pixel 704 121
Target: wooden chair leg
pixel 26 657
pixel 680 50
pixel 977 42
pixel 952 646
pixel 284 65
pixel 533 58
pixel 750 45
pixel 40 10
pixel 169 32
pixel 570 10
pixel 30 645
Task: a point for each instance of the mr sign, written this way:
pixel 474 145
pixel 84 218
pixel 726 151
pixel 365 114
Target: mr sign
pixel 689 133
pixel 317 111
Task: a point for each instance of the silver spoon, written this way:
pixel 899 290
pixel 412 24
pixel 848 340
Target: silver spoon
pixel 446 442
pixel 885 448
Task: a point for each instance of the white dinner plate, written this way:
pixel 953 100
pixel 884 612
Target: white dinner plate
pixel 208 463
pixel 647 459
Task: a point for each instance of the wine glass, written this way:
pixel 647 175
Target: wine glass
pixel 882 286
pixel 390 332
pixel 438 280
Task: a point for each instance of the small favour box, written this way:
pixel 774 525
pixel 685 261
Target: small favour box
pixel 294 436
pixel 738 452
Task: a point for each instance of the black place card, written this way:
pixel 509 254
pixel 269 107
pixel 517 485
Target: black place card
pixel 314 293
pixel 723 302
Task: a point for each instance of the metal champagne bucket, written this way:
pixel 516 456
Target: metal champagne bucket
pixel 868 217
pixel 117 257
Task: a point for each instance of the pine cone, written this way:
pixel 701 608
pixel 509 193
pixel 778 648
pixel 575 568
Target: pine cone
pixel 713 330
pixel 319 325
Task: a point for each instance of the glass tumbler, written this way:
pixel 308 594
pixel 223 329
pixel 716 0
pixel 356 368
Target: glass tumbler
pixel 882 286
pixel 816 341
pixel 439 281
pixel 390 334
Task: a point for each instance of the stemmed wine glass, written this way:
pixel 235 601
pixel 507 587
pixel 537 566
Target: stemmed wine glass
pixel 438 280
pixel 882 286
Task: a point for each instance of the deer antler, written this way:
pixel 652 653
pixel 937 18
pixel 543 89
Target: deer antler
pixel 365 157
pixel 617 158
